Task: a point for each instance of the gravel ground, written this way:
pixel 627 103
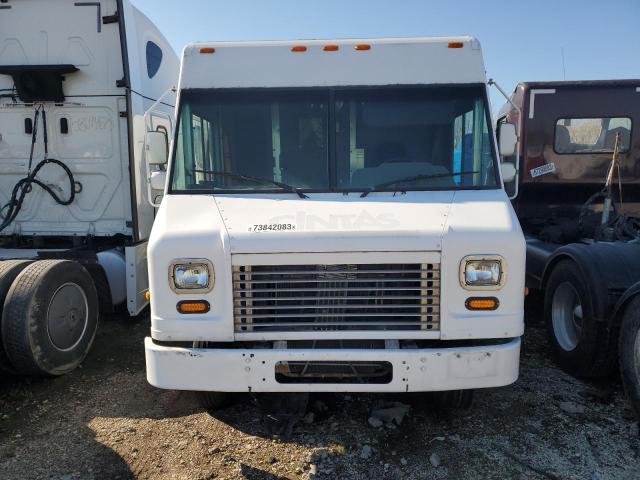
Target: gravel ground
pixel 105 421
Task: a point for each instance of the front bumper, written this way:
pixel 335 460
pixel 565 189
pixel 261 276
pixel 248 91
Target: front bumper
pixel 253 370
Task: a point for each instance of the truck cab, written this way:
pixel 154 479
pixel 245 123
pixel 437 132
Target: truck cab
pixel 76 208
pixel 576 191
pixel 334 220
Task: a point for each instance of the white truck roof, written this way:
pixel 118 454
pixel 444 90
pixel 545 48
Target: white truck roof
pixel 388 61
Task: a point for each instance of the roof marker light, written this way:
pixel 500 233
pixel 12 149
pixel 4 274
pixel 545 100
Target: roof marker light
pixel 455 45
pixel 299 48
pixel 207 50
pixel 330 48
pixel 362 46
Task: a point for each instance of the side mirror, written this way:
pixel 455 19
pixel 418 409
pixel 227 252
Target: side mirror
pixel 158 179
pixel 508 172
pixel 507 139
pixel 156 149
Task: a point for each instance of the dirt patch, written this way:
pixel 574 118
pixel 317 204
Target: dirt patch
pixel 105 421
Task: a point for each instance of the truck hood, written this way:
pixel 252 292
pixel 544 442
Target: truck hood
pixel 415 221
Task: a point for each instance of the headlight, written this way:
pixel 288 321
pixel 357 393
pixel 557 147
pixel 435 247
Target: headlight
pixel 482 272
pixel 192 276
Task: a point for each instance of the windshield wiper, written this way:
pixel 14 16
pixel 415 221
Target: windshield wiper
pixel 284 186
pixel 413 178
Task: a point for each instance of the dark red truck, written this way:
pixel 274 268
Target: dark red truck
pixel 576 191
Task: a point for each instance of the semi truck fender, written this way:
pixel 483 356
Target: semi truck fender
pixel 618 310
pixel 609 268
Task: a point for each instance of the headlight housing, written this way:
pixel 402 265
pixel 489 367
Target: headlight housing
pixel 191 276
pixel 482 272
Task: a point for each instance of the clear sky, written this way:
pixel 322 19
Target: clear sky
pixel 521 39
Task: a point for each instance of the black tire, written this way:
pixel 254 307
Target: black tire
pixel 212 401
pixel 453 399
pixel 42 335
pixel 590 350
pixel 9 270
pixel 629 349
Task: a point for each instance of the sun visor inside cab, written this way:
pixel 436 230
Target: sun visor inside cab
pixel 38 83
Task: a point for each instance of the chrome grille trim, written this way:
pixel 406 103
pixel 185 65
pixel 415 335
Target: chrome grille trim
pixel 354 297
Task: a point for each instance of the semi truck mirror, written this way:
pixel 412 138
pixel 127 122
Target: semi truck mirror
pixel 508 172
pixel 157 179
pixel 507 139
pixel 156 147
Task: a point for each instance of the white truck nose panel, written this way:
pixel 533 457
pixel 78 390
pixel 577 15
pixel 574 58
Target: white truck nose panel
pixel 414 370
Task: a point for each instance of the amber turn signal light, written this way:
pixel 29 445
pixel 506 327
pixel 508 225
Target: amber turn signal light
pixel 147 295
pixel 193 306
pixel 481 303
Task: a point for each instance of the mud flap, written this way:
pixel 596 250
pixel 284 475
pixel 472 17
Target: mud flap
pixel 137 277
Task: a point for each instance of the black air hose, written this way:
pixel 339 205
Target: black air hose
pixel 24 186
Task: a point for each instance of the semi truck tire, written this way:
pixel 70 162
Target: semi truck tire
pixel 581 345
pixel 50 317
pixel 629 350
pixel 9 270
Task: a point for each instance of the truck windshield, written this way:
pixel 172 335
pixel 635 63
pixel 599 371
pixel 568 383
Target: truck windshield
pixel 351 139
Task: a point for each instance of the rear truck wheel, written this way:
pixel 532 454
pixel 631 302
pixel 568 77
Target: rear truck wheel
pixel 629 349
pixel 580 345
pixel 454 399
pixel 9 270
pixel 50 317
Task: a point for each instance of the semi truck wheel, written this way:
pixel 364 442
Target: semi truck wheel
pixel 50 317
pixel 629 350
pixel 580 345
pixel 9 270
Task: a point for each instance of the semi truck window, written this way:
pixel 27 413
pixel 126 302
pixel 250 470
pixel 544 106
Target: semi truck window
pixel 591 135
pixel 154 58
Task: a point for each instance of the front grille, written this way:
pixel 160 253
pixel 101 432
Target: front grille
pixel 361 297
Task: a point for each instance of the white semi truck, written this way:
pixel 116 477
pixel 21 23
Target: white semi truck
pixel 75 205
pixel 334 220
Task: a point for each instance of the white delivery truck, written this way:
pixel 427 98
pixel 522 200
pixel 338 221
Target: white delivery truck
pixel 75 209
pixel 334 220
